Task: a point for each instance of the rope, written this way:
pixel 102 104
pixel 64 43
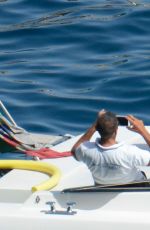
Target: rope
pixel 42 153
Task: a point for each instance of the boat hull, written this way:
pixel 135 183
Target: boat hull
pixel 92 211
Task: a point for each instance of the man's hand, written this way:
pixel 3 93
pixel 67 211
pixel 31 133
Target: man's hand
pixel 136 124
pixel 101 112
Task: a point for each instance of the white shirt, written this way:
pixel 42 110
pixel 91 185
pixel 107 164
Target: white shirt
pixel 116 164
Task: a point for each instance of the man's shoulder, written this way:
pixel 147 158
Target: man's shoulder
pixel 135 151
pixel 87 145
pixel 85 151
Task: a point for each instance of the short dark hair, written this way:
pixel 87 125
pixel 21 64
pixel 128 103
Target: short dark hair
pixel 107 124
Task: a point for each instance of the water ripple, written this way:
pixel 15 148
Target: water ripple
pixel 95 13
pixel 61 61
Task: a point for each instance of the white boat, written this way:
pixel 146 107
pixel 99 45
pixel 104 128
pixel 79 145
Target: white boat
pixel 74 202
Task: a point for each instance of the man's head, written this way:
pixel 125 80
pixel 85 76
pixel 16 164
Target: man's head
pixel 107 125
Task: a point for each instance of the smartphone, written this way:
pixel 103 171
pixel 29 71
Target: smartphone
pixel 123 120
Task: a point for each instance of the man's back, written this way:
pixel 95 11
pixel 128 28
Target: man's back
pixel 115 164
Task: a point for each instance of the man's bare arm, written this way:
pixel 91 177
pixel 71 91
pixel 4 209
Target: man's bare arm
pixel 86 137
pixel 89 133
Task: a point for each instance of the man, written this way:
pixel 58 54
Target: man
pixel 111 162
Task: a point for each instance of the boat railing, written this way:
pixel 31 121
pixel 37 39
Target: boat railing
pixel 129 187
pixel 7 113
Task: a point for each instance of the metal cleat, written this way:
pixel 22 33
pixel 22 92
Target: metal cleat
pixel 52 206
pixel 53 210
pixel 69 207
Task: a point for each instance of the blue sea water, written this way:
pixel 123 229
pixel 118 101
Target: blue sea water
pixel 61 61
